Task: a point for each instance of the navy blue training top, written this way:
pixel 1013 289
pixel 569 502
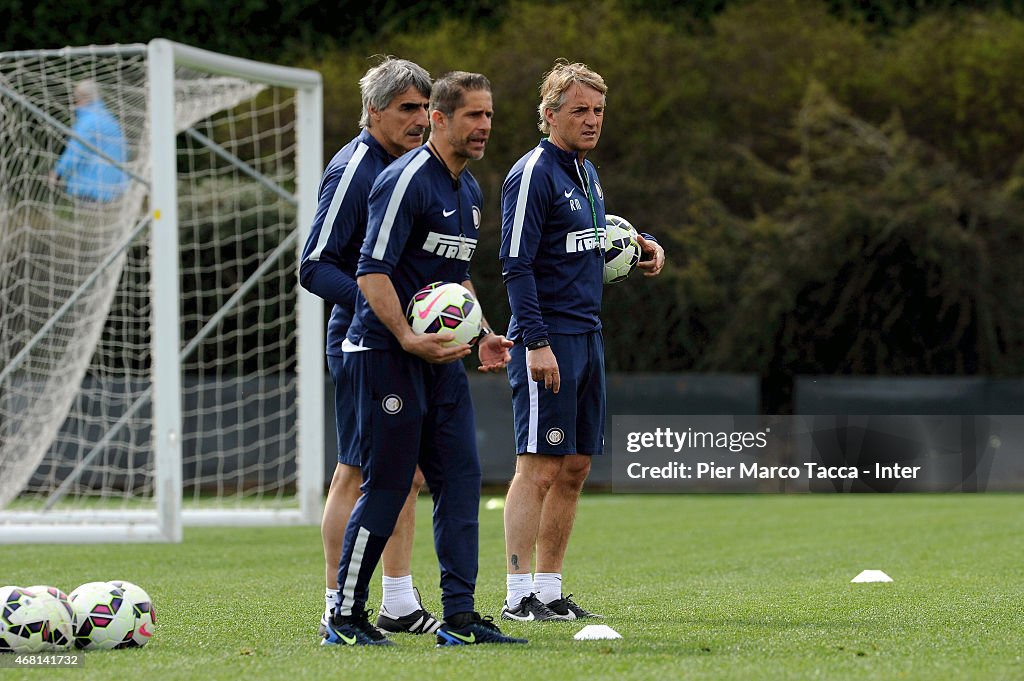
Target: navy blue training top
pixel 552 256
pixel 331 253
pixel 420 230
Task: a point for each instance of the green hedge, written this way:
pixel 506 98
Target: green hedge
pixel 839 185
pixel 257 29
pixel 831 199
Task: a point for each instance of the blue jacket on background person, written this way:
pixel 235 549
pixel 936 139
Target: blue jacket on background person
pixel 87 175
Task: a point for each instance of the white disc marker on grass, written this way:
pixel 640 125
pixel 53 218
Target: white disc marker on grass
pixel 871 576
pixel 594 632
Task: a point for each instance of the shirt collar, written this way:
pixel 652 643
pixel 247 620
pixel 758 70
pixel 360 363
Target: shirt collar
pixel 564 157
pixel 376 147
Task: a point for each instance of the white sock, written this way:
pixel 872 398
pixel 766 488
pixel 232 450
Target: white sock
pixel 547 586
pixel 399 597
pixel 330 600
pixel 518 588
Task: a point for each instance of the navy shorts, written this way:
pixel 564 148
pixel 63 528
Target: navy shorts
pixel 409 412
pixel 572 421
pixel 344 413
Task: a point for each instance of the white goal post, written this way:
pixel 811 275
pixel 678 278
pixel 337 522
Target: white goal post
pixel 159 364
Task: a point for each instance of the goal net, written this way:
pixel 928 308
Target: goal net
pixel 159 364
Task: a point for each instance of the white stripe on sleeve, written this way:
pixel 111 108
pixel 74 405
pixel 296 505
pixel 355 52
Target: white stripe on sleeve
pixel 524 191
pixel 336 200
pixel 381 245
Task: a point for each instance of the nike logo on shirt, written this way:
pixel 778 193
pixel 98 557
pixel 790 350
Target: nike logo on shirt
pixel 447 213
pixel 569 193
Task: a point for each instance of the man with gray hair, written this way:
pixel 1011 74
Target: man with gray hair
pixel 395 95
pixel 552 255
pixel 91 177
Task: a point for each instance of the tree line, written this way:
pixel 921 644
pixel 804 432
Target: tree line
pixel 275 30
pixel 839 185
pixel 832 199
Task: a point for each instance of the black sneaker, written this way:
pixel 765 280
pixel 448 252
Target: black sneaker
pixel 468 628
pixel 354 630
pixel 530 609
pixel 417 622
pixel 566 608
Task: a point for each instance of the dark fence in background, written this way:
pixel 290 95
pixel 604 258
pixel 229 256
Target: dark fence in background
pixel 629 394
pixel 984 446
pixel 896 395
pixel 711 394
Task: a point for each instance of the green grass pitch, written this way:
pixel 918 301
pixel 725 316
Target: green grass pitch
pixel 699 586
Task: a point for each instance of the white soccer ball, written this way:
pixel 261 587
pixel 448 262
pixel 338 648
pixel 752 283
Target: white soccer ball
pixel 62 616
pixel 104 617
pixel 446 307
pixel 145 614
pixel 24 621
pixel 621 249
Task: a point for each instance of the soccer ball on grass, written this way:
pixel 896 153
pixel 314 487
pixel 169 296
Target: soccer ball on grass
pixel 62 616
pixel 145 614
pixel 24 621
pixel 104 616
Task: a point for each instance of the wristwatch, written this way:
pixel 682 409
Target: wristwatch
pixel 538 344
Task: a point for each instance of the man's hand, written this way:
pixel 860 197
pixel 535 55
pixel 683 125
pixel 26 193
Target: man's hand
pixel 543 366
pixel 652 256
pixel 493 351
pixel 430 347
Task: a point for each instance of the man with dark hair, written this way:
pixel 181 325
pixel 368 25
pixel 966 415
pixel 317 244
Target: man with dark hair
pixel 552 254
pixel 395 96
pixel 411 393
